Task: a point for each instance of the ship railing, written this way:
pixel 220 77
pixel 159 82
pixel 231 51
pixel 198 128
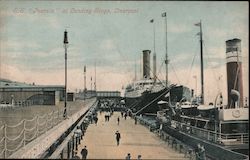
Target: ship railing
pixel 237 138
pixel 209 135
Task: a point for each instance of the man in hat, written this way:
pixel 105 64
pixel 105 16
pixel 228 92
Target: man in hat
pixel 84 152
pixel 118 137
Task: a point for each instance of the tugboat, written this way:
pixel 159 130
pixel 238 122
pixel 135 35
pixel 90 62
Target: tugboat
pixel 222 129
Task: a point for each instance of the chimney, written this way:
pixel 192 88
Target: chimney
pixel 234 71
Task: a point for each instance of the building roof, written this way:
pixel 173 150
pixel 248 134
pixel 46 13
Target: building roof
pixel 12 85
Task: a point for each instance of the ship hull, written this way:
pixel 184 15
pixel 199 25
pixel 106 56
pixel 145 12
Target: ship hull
pixel 147 102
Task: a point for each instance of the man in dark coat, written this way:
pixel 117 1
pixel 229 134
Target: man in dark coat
pixel 118 120
pixel 118 137
pixel 84 152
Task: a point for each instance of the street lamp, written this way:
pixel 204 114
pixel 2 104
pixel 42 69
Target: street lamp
pixel 66 43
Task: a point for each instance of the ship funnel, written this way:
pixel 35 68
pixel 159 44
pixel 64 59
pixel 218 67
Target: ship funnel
pixel 234 71
pixel 146 64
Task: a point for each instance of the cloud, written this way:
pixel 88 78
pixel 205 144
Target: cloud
pixel 18 44
pixel 174 28
pixel 107 44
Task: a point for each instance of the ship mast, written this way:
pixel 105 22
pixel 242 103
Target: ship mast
pixel 85 89
pixel 166 60
pixel 201 52
pixel 154 55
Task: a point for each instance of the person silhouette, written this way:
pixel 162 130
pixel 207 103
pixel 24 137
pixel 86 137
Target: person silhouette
pixel 84 152
pixel 118 137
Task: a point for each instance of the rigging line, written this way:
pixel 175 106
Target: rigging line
pixel 175 73
pixel 159 71
pixel 123 57
pixel 191 67
pixel 155 76
pixel 134 104
pixel 192 64
pixel 172 85
pixel 209 61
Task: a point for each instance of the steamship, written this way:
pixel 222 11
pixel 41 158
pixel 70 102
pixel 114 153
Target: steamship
pixel 223 130
pixel 141 96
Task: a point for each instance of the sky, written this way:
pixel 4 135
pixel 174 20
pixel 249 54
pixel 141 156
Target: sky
pixel 112 35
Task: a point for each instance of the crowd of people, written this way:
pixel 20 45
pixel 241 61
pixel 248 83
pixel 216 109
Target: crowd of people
pixel 200 151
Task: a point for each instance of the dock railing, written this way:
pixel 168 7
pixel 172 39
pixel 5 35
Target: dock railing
pixel 26 131
pixel 220 138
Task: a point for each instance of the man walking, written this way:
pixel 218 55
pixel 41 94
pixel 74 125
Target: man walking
pixel 135 120
pixel 118 120
pixel 84 152
pixel 128 157
pixel 125 116
pixel 118 137
pixel 139 157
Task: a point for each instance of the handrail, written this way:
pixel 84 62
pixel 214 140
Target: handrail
pixel 26 133
pixel 240 137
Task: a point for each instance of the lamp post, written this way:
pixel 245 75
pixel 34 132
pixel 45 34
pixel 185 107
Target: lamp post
pixel 65 42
